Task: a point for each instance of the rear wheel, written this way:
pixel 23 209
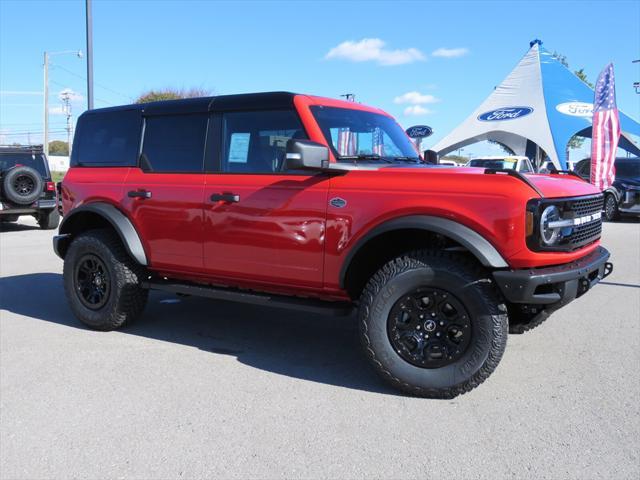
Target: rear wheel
pixel 48 219
pixel 610 208
pixel 433 324
pixel 102 282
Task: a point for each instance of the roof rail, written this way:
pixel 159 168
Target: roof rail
pixel 515 174
pixel 21 148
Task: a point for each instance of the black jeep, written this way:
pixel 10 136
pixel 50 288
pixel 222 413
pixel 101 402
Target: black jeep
pixel 26 187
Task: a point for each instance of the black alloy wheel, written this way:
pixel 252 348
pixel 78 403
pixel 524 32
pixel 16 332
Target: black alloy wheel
pixel 610 208
pixel 92 282
pixel 24 185
pixel 429 328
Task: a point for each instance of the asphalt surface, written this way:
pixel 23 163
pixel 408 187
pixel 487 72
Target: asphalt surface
pixel 199 388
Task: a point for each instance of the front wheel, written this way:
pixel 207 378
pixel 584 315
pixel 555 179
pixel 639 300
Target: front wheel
pixel 610 208
pixel 102 282
pixel 433 324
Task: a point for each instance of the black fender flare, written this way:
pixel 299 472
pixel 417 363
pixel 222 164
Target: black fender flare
pixel 465 236
pixel 613 191
pixel 120 223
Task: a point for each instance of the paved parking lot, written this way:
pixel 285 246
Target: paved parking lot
pixel 199 388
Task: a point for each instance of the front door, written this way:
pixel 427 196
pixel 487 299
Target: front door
pixel 263 224
pixel 164 195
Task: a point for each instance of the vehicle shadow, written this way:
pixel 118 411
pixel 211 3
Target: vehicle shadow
pixel 16 227
pixel 317 348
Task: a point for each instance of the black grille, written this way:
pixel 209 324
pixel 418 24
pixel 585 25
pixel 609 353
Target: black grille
pixel 587 205
pixel 589 232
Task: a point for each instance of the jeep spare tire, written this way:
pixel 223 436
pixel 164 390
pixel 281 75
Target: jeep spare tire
pixel 22 185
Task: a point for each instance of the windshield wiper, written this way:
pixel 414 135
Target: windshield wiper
pixel 364 156
pixel 406 159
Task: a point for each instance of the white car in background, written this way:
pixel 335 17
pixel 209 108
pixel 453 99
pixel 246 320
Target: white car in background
pixel 517 163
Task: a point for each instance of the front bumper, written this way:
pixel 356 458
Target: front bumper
pixel 630 202
pixel 554 287
pixel 41 204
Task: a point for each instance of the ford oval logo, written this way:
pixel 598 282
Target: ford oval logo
pixel 338 202
pixel 576 109
pixel 506 113
pixel 419 131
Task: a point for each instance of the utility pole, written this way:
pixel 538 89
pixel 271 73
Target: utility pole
pixel 89 56
pixel 46 104
pixel 65 96
pixel 349 97
pixel 47 55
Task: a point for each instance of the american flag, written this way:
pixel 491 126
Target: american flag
pixel 347 142
pixel 378 142
pixel 606 130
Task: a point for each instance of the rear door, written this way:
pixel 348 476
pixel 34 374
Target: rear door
pixel 164 193
pixel 262 223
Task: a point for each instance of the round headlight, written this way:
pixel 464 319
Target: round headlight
pixel 549 236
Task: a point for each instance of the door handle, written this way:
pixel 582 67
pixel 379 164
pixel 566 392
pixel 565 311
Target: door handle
pixel 225 197
pixel 139 194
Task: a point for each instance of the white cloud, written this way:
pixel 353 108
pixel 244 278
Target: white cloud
pixel 415 98
pixel 416 110
pixel 373 50
pixel 450 52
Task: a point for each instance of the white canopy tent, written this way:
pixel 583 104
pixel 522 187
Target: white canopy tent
pixel 540 105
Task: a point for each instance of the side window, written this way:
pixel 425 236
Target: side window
pixel 174 143
pixel 108 139
pixel 255 142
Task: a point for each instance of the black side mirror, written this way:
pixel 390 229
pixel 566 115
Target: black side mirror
pixel 306 155
pixel 431 157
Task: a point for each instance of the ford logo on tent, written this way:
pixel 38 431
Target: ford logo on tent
pixel 419 131
pixel 506 113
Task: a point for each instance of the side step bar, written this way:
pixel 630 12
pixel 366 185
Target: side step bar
pixel 255 298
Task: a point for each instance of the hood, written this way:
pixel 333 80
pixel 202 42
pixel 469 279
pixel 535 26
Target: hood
pixel 634 181
pixel 551 186
pixel 555 186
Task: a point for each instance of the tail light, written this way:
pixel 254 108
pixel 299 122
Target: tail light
pixel 51 186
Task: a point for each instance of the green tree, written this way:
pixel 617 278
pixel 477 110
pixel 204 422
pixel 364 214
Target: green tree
pixel 171 94
pixel 58 147
pixel 575 141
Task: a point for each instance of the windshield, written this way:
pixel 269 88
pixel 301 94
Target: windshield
pixel 35 161
pixel 493 163
pixel 359 135
pixel 628 168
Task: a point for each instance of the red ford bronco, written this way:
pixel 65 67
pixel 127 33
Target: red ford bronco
pixel 311 203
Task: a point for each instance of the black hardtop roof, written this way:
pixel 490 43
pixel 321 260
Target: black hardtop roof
pixel 243 101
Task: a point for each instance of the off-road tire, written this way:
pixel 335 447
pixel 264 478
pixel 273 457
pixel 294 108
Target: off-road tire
pixel 468 283
pixel 611 212
pixel 18 197
pixel 48 219
pixel 521 324
pixel 126 299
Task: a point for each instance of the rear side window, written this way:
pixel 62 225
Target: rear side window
pixel 174 143
pixel 107 139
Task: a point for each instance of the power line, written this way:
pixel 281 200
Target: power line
pixel 98 84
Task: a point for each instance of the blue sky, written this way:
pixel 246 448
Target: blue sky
pixel 447 56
